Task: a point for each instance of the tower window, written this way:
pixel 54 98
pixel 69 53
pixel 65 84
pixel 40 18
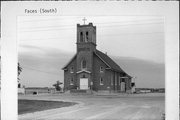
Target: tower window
pixel 87 37
pixel 83 64
pixel 81 37
pixel 101 81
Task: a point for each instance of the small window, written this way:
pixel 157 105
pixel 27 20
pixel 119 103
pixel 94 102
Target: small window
pixel 72 70
pixel 101 69
pixel 101 81
pixel 132 84
pixel 72 81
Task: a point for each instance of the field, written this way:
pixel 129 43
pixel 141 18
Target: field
pixel 30 106
pixel 102 107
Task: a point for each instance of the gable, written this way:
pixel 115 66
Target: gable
pixel 108 61
pixel 98 62
pixel 72 59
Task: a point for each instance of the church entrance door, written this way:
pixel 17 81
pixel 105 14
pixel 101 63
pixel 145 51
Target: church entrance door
pixel 83 83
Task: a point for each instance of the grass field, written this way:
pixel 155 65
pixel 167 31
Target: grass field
pixel 29 106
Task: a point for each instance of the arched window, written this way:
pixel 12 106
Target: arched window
pixel 101 69
pixel 87 37
pixel 72 81
pixel 72 70
pixel 83 64
pixel 81 37
pixel 101 81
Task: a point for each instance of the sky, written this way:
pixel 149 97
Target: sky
pixel 141 37
pixel 47 43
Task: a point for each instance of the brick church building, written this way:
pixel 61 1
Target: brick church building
pixel 90 69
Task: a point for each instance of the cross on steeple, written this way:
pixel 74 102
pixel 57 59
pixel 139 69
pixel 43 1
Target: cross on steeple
pixel 84 19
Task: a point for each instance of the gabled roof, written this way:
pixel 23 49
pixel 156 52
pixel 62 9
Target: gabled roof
pixel 106 59
pixel 109 62
pixel 69 61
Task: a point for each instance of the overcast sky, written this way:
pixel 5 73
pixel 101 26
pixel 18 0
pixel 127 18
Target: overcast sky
pixel 141 37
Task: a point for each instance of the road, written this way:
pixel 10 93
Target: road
pixel 90 107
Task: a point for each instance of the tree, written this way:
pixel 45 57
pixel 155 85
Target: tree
pixel 57 85
pixel 19 72
pixel 19 69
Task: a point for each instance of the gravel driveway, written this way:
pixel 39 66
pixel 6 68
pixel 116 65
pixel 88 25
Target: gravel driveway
pixel 105 107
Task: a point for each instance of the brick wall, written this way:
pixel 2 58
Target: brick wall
pixel 68 75
pixel 97 75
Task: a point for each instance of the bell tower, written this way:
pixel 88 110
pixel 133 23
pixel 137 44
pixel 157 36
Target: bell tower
pixel 86 46
pixel 86 37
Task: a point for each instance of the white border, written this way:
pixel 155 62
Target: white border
pixel 10 11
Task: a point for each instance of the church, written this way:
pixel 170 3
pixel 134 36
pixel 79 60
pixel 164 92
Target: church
pixel 91 69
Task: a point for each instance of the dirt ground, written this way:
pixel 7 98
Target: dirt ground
pixel 101 107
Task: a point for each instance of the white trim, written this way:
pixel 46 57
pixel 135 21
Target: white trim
pixel 83 71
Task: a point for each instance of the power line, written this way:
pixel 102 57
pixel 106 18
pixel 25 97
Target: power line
pixel 27 67
pixel 150 20
pixel 120 34
pixel 98 27
pixel 72 17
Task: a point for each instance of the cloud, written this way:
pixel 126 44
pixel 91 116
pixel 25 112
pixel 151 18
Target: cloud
pixel 46 69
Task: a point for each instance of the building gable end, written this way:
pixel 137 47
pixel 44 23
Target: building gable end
pixel 109 67
pixel 69 62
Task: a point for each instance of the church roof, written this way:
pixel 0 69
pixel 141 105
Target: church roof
pixel 109 62
pixel 106 59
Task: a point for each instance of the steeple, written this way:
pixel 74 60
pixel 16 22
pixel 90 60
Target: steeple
pixel 86 36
